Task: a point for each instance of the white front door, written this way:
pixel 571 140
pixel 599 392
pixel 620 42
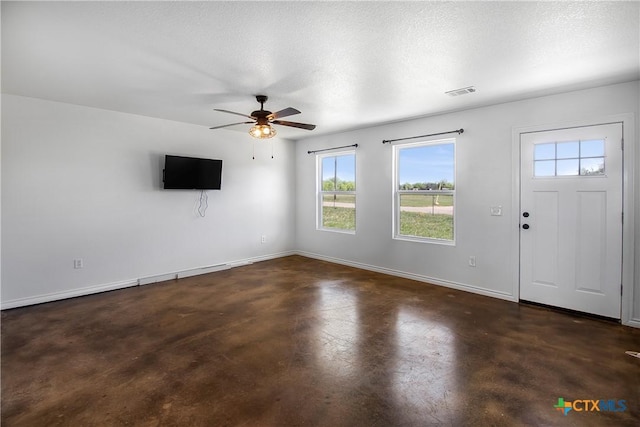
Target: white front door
pixel 571 218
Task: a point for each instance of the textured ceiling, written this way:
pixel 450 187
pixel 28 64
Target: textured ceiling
pixel 345 65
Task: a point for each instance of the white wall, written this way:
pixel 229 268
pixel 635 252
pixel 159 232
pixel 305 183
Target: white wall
pixel 85 183
pixel 485 177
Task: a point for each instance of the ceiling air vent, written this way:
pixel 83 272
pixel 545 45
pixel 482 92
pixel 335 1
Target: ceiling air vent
pixel 461 91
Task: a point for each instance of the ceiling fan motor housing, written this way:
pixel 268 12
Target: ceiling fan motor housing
pixel 261 114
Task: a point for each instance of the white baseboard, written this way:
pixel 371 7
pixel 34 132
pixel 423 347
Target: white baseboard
pixel 158 278
pixel 412 276
pixel 73 293
pixel 88 290
pixel 635 323
pixel 182 274
pixel 204 270
pixel 251 260
pixel 55 296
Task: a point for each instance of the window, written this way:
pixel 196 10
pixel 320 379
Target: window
pixel 337 192
pixel 424 191
pixel 569 158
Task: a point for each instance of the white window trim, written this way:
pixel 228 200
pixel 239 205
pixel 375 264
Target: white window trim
pixel 320 193
pixel 396 194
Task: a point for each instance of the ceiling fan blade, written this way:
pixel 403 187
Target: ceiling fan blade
pixel 233 112
pixel 294 124
pixel 283 113
pixel 232 124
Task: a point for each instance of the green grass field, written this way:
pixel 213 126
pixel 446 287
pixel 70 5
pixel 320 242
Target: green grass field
pixel 418 224
pixel 341 218
pixel 411 223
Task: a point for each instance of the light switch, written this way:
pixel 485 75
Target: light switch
pixel 496 210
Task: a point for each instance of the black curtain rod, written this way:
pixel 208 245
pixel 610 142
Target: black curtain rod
pixel 459 131
pixel 334 148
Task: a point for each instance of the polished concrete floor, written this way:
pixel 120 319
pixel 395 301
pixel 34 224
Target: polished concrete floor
pixel 301 342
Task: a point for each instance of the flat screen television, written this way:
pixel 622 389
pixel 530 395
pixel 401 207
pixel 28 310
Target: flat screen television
pixel 191 173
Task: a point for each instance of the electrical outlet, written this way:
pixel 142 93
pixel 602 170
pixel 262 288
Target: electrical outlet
pixel 472 261
pixel 77 263
pixel 263 239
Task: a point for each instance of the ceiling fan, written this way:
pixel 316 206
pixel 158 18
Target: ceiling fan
pixel 263 119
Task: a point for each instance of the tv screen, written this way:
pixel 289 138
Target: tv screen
pixel 190 173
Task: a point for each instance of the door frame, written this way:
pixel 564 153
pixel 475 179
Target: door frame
pixel 628 317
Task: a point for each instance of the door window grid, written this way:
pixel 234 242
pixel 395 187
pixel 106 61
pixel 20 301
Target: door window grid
pixel 569 158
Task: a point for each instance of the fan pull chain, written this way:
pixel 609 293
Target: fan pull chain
pixel 253 145
pixel 272 149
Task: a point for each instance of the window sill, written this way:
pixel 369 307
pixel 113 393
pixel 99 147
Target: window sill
pixel 336 230
pixel 425 240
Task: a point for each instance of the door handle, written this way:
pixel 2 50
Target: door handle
pixel 525 226
pixel 525 214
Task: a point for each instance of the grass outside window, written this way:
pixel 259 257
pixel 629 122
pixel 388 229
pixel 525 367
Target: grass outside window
pixel 339 215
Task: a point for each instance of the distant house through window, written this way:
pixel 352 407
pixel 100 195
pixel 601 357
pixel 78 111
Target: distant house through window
pixel 424 191
pixel 337 191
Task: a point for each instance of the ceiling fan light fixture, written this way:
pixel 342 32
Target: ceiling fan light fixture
pixel 262 131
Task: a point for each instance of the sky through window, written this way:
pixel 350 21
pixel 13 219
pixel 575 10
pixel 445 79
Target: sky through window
pixel 428 163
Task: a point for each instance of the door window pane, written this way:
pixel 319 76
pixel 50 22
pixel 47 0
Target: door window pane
pixel 594 148
pixel 545 151
pixel 592 166
pixel 545 168
pixel 568 150
pixel 567 167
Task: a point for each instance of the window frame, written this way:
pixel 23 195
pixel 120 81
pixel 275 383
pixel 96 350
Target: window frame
pixel 396 235
pixel 320 193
